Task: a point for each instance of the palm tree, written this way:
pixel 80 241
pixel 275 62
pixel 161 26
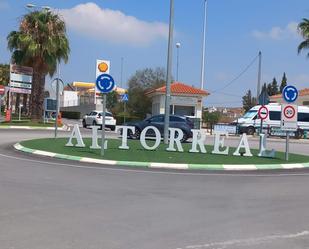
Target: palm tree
pixel 40 43
pixel 303 28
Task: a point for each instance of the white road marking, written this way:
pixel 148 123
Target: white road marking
pixel 292 166
pixel 247 242
pixel 44 153
pixel 239 167
pixel 100 161
pixel 169 165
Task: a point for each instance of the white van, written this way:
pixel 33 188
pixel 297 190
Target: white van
pixel 250 122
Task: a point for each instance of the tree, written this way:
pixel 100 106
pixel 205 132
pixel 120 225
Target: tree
pixel 40 43
pixel 141 83
pixel 248 101
pixel 283 82
pixel 4 74
pixel 211 118
pixel 111 100
pixel 272 88
pixel 303 28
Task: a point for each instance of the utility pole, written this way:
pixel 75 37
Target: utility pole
pixel 121 72
pixel 204 45
pixel 169 74
pixel 177 69
pixel 258 91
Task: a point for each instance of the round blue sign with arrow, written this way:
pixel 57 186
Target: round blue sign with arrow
pixel 290 94
pixel 105 83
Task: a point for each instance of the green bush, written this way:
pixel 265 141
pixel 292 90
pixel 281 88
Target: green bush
pixel 120 118
pixel 70 115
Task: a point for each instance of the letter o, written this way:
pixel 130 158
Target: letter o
pixel 143 138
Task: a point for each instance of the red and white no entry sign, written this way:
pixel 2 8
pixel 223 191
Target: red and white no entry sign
pixel 289 112
pixel 2 91
pixel 263 112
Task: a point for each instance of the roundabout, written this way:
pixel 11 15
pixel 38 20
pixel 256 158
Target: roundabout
pixel 159 158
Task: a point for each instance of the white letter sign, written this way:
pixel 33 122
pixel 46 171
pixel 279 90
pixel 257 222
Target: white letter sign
pixel 198 139
pixel 76 134
pixel 263 151
pixel 124 145
pixel 95 144
pixel 174 139
pixel 243 144
pixel 219 143
pixel 143 138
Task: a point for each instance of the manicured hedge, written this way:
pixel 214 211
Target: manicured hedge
pixel 71 115
pixel 120 119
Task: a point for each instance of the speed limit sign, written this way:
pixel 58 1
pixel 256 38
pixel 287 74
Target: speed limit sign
pixel 289 117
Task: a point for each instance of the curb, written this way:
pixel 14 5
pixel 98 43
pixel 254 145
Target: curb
pixel 235 167
pixel 63 128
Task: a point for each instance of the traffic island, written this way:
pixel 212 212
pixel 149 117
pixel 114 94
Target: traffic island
pixel 159 158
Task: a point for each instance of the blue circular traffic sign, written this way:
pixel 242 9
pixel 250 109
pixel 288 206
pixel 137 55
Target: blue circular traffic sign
pixel 290 94
pixel 105 83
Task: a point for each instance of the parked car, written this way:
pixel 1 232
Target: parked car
pixel 250 122
pixel 176 121
pixel 95 118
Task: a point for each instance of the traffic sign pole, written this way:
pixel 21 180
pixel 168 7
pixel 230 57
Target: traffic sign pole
pixel 103 125
pixel 289 115
pixel 124 112
pixel 287 146
pixel 105 84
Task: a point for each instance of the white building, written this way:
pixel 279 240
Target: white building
pixel 185 100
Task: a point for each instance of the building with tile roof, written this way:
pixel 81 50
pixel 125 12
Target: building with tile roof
pixel 185 100
pixel 303 98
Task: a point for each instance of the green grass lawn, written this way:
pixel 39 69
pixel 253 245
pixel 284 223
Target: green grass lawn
pixel 139 154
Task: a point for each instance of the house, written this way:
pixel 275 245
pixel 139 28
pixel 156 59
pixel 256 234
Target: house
pixel 185 100
pixel 303 98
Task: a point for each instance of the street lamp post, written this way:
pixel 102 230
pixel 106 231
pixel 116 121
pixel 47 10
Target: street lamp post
pixel 178 44
pixel 169 75
pixel 204 45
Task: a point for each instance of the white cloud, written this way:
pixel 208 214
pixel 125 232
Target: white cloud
pixel 278 33
pixel 112 26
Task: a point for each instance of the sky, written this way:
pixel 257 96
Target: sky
pixel 137 31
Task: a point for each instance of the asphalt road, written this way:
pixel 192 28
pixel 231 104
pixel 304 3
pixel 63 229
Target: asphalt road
pixel 57 204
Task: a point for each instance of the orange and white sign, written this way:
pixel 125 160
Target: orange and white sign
pixel 102 66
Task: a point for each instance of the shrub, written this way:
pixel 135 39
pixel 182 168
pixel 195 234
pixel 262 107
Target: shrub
pixel 70 115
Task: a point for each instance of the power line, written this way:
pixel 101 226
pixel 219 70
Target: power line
pixel 229 94
pixel 238 76
pixel 225 102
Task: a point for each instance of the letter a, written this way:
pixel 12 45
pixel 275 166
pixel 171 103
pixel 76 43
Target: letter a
pixel 76 134
pixel 243 144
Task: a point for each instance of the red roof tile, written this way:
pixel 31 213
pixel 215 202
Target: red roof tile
pixel 303 92
pixel 180 88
